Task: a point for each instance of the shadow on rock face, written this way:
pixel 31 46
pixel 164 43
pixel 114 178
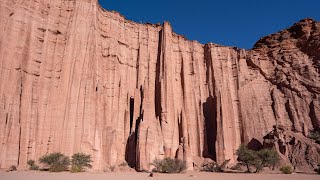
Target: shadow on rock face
pixel 255 144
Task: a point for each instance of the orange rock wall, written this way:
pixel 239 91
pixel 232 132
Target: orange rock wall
pixel 77 78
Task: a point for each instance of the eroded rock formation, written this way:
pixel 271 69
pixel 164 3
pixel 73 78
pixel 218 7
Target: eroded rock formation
pixel 77 78
pixel 295 149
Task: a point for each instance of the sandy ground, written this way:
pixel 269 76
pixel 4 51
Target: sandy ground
pixel 36 175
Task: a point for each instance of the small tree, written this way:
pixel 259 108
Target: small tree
pixel 32 165
pixel 267 157
pixel 80 161
pixel 57 162
pixel 247 157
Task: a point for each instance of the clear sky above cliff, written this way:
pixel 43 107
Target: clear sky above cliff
pixel 228 22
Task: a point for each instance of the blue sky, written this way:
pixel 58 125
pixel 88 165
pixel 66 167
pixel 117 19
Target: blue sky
pixel 228 22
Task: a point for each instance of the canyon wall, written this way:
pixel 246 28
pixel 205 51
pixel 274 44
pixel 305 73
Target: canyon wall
pixel 77 78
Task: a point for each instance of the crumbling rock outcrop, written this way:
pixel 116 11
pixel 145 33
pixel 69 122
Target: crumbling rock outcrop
pixel 77 78
pixel 294 149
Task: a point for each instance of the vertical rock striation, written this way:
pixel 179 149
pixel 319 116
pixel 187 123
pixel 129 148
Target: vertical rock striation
pixel 77 78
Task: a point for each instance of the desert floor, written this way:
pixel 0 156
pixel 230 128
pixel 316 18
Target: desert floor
pixel 36 175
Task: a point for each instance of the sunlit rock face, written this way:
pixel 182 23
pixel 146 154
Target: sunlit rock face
pixel 77 78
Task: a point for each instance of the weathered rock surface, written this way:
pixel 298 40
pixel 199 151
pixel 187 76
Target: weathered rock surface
pixel 295 149
pixel 77 78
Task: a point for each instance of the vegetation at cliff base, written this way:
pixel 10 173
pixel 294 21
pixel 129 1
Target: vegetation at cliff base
pixel 32 165
pixel 80 161
pixel 246 157
pixel 169 165
pixel 266 158
pixel 257 159
pixel 286 170
pixel 57 162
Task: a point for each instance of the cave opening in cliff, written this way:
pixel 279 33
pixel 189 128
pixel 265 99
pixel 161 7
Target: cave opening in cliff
pixel 209 112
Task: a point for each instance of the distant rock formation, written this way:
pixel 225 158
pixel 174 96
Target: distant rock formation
pixel 77 78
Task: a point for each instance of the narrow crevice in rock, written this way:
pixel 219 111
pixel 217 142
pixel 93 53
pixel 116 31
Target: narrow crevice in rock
pixel 131 112
pixel 19 148
pixel 6 118
pixel 157 94
pixel 180 125
pixel 141 112
pixel 312 114
pixel 273 104
pixel 290 114
pixel 20 106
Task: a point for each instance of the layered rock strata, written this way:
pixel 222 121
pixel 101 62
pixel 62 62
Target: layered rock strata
pixel 77 78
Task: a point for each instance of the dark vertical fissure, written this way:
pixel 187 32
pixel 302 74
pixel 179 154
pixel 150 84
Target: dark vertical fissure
pixel 20 105
pixel 180 128
pixel 157 94
pixel 140 118
pixel 290 114
pixel 131 112
pixel 312 114
pixel 273 105
pixel 7 118
pixel 209 111
pixel 131 147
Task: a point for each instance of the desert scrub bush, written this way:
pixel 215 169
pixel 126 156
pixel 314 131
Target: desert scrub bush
pixel 169 165
pixel 57 162
pixel 12 168
pixel 314 135
pixel 211 167
pixel 32 165
pixel 286 170
pixel 80 161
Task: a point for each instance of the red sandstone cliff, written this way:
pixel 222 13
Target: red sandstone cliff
pixel 77 78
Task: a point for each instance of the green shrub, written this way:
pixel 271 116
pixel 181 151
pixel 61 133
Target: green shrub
pixel 211 167
pixel 57 162
pixel 315 135
pixel 32 165
pixel 286 170
pixel 169 165
pixel 76 169
pixel 80 161
pixel 266 158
